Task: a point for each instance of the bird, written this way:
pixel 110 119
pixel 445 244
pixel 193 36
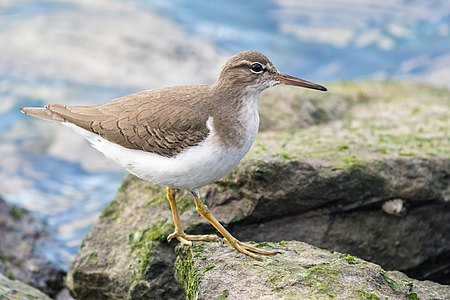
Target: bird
pixel 182 137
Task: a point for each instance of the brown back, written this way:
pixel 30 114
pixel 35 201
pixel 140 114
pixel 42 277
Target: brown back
pixel 164 121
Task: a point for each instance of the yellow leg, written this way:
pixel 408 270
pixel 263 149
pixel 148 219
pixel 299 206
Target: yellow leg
pixel 179 233
pixel 245 248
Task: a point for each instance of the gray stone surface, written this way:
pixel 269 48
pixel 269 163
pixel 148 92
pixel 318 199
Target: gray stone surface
pixel 301 271
pixel 17 290
pixel 341 209
pixel 125 255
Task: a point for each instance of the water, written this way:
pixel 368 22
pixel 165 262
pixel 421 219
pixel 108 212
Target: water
pixel 327 40
pixel 84 52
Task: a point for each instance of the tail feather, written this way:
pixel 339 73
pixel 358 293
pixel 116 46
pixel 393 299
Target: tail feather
pixel 42 113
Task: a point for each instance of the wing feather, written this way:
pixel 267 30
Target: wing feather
pixel 145 121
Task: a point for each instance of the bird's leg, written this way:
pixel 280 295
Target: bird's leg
pixel 179 233
pixel 245 248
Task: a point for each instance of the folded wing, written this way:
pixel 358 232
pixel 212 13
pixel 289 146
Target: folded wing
pixel 138 121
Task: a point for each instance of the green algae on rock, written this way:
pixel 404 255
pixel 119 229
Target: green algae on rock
pixel 125 255
pixel 300 272
pixel 394 120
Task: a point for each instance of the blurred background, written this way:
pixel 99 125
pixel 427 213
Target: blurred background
pixel 92 51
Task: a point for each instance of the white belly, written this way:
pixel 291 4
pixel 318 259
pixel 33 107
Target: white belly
pixel 191 169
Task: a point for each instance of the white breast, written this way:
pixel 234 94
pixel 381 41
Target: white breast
pixel 191 169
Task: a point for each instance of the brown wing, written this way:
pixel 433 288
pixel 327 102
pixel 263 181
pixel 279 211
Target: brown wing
pixel 152 121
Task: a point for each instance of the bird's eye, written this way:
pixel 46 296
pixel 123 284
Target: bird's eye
pixel 256 68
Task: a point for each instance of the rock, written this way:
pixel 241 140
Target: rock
pixel 301 271
pixel 14 289
pixel 340 209
pixel 125 255
pixel 325 185
pixel 19 258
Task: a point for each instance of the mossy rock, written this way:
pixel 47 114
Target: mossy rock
pixel 301 271
pixel 11 289
pixel 20 258
pixel 125 255
pixel 381 120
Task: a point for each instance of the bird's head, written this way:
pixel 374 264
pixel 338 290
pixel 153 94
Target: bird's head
pixel 253 70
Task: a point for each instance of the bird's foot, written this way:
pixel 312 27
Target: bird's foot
pixel 186 239
pixel 249 249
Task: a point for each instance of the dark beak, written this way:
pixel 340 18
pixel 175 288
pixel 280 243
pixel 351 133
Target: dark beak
pixel 291 80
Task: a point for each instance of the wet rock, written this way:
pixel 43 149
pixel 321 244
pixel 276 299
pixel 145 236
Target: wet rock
pixel 16 290
pixel 19 259
pixel 325 185
pixel 301 271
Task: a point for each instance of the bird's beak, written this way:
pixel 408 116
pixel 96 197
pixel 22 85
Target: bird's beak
pixel 291 80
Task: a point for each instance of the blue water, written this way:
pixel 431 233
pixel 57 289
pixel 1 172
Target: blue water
pixel 405 29
pixel 320 41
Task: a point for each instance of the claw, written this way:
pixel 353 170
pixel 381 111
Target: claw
pixel 179 237
pixel 186 239
pixel 250 250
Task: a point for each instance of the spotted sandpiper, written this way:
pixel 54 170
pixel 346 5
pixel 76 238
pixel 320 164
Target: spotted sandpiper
pixel 182 137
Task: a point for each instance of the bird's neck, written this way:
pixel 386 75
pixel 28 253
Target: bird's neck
pixel 236 115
